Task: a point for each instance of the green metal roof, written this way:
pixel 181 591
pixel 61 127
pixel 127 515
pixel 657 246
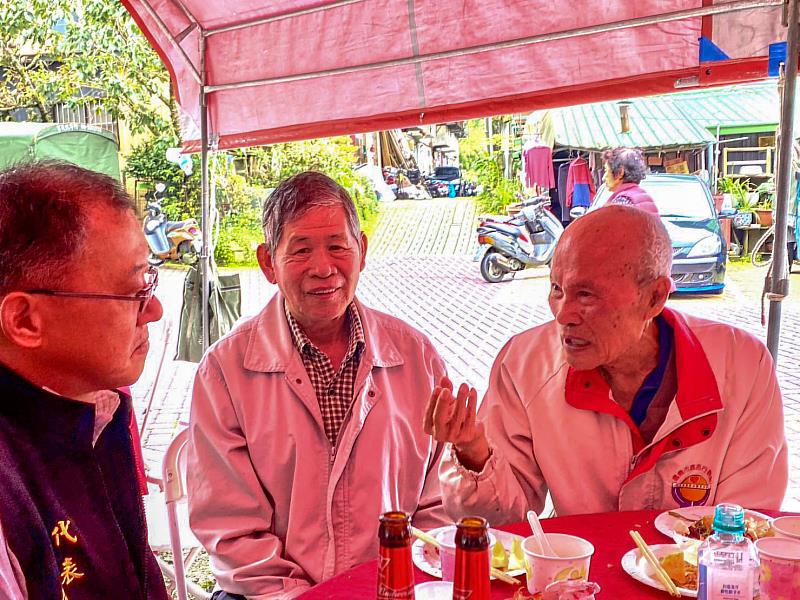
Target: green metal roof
pixel 735 106
pixel 655 123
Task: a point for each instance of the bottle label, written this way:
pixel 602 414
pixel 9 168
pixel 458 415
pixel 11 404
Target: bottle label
pixel 471 581
pixel 387 593
pixel 395 574
pixel 726 574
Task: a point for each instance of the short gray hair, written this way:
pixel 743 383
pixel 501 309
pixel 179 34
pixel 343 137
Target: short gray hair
pixel 296 195
pixel 628 161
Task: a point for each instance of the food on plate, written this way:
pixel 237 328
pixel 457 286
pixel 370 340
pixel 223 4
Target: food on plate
pixel 508 559
pixel 516 557
pixel 502 558
pixel 683 573
pixel 499 556
pixel 702 528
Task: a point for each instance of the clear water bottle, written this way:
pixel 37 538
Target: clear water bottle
pixel 727 560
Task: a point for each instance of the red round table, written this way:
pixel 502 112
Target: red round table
pixel 607 531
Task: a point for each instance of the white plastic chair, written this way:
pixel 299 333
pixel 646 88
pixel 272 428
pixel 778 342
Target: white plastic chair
pixel 163 509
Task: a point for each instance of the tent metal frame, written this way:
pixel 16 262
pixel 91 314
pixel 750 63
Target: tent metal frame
pixel 779 283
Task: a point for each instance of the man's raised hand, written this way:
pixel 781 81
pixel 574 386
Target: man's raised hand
pixel 453 419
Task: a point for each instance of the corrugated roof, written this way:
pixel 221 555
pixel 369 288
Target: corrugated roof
pixel 655 123
pixel 732 106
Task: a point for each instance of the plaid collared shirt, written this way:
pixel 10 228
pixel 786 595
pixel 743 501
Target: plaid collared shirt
pixel 334 389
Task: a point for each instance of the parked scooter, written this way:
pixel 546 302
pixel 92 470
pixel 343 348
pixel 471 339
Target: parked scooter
pixel 511 244
pixel 179 241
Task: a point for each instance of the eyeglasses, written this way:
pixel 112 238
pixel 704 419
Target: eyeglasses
pixel 143 296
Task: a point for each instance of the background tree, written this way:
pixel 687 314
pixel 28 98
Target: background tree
pixel 77 52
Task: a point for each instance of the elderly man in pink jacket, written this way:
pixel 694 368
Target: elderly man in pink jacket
pixel 619 403
pixel 305 422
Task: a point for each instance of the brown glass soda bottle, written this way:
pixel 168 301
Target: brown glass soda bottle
pixel 471 579
pixel 395 573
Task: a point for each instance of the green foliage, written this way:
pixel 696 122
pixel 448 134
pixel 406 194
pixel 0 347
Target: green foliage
pixel 473 147
pixel 79 51
pixel 766 194
pixel 739 189
pixel 237 243
pixel 241 196
pixel 147 163
pixel 239 206
pixel 269 165
pixel 498 192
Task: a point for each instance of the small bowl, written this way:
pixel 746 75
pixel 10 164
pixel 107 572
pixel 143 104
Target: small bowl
pixel 788 527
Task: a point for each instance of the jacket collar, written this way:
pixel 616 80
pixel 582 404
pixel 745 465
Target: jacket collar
pixel 270 348
pixel 697 386
pixel 50 416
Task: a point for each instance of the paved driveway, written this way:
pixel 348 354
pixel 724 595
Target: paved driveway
pixel 420 269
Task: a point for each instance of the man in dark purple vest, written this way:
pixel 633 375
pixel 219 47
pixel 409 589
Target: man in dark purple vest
pixel 76 295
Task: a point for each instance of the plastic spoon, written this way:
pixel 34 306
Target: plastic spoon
pixel 538 533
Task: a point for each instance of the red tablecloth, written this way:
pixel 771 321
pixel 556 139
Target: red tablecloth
pixel 608 532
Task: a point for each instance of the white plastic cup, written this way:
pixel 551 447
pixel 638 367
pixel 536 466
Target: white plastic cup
pixel 574 556
pixel 787 527
pixel 447 551
pixel 780 567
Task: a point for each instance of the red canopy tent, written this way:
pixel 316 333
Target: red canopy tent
pixel 250 72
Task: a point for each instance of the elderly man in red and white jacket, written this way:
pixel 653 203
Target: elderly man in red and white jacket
pixel 619 403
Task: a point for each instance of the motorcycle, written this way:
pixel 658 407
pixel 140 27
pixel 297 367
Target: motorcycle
pixel 179 241
pixel 511 244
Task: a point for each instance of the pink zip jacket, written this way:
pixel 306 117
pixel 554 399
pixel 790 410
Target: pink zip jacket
pixel 633 195
pixel 277 509
pixel 553 428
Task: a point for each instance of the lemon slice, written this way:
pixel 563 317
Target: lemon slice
pixel 516 558
pixel 499 556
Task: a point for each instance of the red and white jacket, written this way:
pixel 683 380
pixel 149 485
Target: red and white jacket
pixel 554 428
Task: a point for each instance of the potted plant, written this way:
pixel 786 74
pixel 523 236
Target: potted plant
pixel 742 199
pixel 724 195
pixel 766 197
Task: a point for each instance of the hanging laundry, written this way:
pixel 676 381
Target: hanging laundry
pixel 538 161
pixel 580 185
pixel 563 171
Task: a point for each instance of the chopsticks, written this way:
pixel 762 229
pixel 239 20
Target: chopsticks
pixel 661 574
pixel 496 573
pixel 421 535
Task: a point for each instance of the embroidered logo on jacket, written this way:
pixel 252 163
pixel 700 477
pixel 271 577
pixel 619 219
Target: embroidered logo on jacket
pixel 691 485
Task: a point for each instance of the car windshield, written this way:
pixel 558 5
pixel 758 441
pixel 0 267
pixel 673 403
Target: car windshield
pixel 447 172
pixel 683 198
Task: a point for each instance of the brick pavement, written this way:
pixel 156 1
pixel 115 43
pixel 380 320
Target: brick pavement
pixel 420 269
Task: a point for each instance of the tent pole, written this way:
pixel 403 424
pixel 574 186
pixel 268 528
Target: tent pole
pixel 712 167
pixel 779 284
pixel 205 201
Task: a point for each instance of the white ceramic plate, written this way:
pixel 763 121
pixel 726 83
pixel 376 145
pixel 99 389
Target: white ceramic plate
pixel 665 522
pixel 427 557
pixel 637 567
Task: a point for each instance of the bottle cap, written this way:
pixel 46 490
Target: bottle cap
pixel 729 518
